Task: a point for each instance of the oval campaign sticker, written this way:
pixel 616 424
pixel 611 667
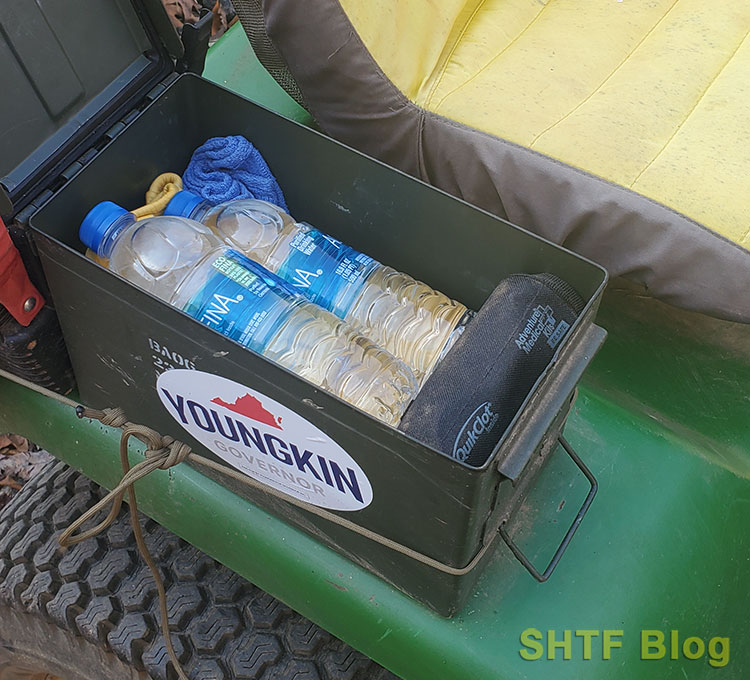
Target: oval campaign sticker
pixel 264 439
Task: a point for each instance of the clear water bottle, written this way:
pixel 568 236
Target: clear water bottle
pixel 408 318
pixel 185 264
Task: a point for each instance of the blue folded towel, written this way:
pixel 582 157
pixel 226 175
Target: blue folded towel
pixel 226 168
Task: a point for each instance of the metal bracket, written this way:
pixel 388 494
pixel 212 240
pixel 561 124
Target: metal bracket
pixel 195 39
pixel 542 577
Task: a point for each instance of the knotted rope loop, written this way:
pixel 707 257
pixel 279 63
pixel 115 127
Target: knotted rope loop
pixel 150 437
pixel 111 417
pixel 162 453
pixel 160 193
pixel 173 453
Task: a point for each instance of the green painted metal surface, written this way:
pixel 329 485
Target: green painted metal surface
pixel 662 420
pixel 232 63
pixel 664 547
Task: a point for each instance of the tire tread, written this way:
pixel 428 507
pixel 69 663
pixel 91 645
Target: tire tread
pixel 100 590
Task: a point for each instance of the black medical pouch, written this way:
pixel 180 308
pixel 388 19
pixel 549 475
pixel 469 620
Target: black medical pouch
pixel 467 403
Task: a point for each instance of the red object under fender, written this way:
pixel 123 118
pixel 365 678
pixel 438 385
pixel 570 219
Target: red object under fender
pixel 17 294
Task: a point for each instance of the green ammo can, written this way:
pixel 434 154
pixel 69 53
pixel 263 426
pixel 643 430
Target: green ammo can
pixel 108 139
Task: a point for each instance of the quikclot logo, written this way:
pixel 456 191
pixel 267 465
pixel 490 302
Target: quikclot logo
pixel 264 439
pixel 482 420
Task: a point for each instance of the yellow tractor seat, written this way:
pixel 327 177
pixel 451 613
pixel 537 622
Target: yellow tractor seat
pixel 620 128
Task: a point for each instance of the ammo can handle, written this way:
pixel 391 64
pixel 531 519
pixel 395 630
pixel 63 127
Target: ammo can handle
pixel 542 577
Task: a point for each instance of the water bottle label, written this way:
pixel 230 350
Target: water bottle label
pixel 324 270
pixel 242 301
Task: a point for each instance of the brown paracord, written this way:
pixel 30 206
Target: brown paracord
pixel 163 452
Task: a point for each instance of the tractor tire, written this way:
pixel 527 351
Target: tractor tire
pixel 91 611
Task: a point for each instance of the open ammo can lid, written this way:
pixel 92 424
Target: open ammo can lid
pixel 70 70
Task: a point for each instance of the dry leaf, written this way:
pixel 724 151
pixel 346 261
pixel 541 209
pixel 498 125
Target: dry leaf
pixel 12 483
pixel 182 12
pixel 11 444
pixel 21 443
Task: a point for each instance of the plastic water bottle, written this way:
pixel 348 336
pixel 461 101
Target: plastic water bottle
pixel 408 318
pixel 184 263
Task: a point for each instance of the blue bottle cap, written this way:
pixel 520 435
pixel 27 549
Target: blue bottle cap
pixel 183 204
pixel 98 222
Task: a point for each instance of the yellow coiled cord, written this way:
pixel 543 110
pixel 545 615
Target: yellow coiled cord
pixel 159 194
